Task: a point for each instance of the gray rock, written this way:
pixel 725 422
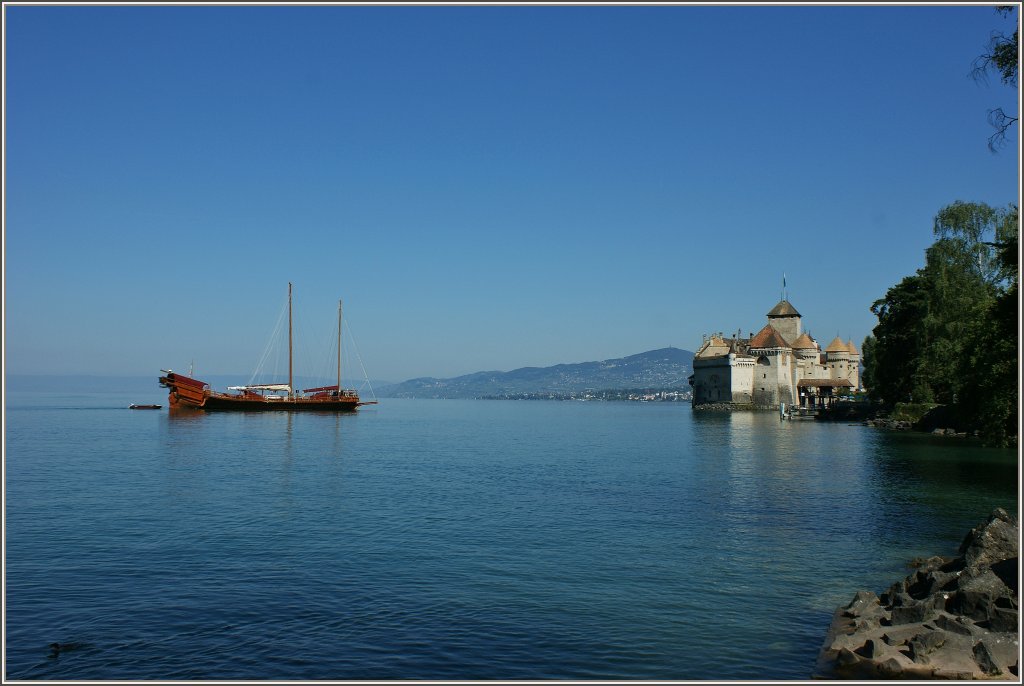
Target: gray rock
pixel 862 601
pixel 927 582
pixel 952 618
pixel 847 657
pixel 865 624
pixel 891 668
pixel 973 606
pixel 986 662
pixel 871 649
pixel 1003 620
pixel 1006 570
pixel 956 625
pixel 924 644
pixel 929 563
pixel 915 611
pixel 993 541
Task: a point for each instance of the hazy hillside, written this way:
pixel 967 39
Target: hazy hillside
pixel 664 368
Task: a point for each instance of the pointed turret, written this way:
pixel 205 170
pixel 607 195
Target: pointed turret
pixel 804 342
pixel 837 346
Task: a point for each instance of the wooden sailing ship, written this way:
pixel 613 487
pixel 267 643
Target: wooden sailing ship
pixel 186 392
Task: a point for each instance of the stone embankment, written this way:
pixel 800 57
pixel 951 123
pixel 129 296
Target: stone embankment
pixel 733 407
pixel 954 618
pixel 903 425
pixel 894 424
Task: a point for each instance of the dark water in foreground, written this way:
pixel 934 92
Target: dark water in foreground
pixel 459 539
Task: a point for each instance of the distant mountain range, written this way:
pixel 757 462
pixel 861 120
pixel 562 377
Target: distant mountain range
pixel 667 368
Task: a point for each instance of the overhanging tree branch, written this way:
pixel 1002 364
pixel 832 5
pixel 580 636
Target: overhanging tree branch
pixel 1001 122
pixel 1003 58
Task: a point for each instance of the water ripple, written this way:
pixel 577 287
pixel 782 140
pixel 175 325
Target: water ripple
pixel 459 540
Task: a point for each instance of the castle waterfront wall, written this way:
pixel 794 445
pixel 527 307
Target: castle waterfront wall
pixel 735 407
pixel 743 380
pixel 713 379
pixel 723 378
pixel 773 375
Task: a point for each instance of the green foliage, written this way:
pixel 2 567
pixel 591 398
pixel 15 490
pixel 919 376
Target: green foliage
pixel 898 355
pixel 911 412
pixel 1003 58
pixel 948 333
pixel 868 361
pixel 989 365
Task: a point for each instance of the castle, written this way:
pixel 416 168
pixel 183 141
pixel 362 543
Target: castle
pixel 779 364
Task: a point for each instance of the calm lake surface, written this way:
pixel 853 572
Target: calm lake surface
pixel 459 539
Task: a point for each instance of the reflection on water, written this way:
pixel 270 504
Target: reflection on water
pixel 462 539
pixel 953 477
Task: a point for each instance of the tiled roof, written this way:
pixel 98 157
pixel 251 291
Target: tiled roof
pixel 837 346
pixel 824 383
pixel 852 348
pixel 768 337
pixel 804 342
pixel 784 309
pixel 715 346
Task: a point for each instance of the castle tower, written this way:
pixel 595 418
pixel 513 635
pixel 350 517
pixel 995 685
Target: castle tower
pixel 837 359
pixel 805 347
pixel 786 320
pixel 773 372
pixel 854 363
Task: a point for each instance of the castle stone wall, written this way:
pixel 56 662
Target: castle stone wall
pixel 789 327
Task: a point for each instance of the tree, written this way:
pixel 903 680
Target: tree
pixel 989 366
pixel 895 360
pixel 869 361
pixel 1002 58
pixel 948 333
pixel 962 229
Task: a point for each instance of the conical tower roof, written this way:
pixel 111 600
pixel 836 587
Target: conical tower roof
pixel 852 348
pixel 804 342
pixel 837 346
pixel 784 309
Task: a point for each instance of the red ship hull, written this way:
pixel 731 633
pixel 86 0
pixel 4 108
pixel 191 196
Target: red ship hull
pixel 186 392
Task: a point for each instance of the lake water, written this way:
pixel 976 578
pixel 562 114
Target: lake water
pixel 459 539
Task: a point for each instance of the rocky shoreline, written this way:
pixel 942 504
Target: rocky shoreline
pixel 953 618
pixel 902 425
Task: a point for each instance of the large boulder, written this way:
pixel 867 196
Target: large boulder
pixel 953 618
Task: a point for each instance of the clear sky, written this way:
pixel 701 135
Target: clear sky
pixel 485 187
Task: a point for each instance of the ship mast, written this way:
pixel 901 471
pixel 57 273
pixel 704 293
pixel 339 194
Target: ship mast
pixel 291 391
pixel 339 348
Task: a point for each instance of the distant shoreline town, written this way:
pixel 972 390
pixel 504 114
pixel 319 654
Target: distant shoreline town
pixel 645 395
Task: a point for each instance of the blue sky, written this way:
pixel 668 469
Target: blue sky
pixel 486 187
